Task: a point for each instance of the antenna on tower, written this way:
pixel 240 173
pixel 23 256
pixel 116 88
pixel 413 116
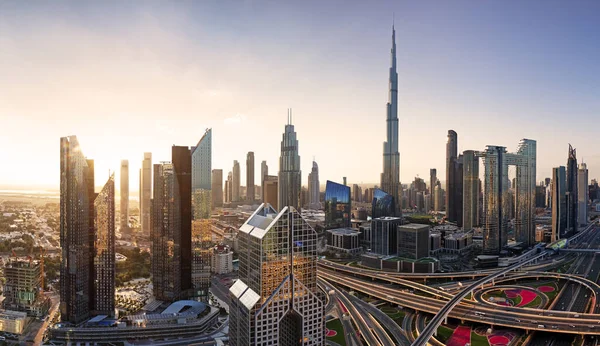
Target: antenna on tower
pixel 291 116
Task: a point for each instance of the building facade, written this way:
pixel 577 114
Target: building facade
pixel 413 241
pixel 314 188
pixel 582 195
pixel 470 190
pixel 345 240
pixel 124 210
pixel 104 250
pixel 559 203
pixel 338 205
pixel 235 182
pixel 432 183
pixel 76 230
pixel 264 172
pixel 201 156
pixel 390 177
pixel 383 204
pixel 384 235
pixel 201 257
pixel 290 176
pixel 451 157
pixel 250 187
pixel 182 166
pixel 221 259
pixel 21 289
pixel 276 301
pixel 146 193
pixel 271 191
pixel 217 188
pixel 572 200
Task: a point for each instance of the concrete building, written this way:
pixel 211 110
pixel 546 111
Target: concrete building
pixel 217 188
pixel 250 187
pixel 124 211
pixel 13 321
pixel 221 259
pixel 344 240
pixel 435 243
pixel 276 301
pixel 146 193
pixel 390 177
pixel 314 188
pixel 201 156
pixel 582 195
pixel 235 183
pixel 290 176
pixel 22 287
pixel 413 241
pixel 460 242
pixel 384 235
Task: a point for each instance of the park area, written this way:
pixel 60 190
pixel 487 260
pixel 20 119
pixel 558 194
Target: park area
pixel 479 336
pixel 334 331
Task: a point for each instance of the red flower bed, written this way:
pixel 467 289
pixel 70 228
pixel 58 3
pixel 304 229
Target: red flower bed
pixel 460 337
pixel 546 289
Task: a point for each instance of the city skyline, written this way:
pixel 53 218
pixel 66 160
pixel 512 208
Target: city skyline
pixel 430 87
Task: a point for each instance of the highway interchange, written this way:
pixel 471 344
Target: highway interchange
pixel 574 312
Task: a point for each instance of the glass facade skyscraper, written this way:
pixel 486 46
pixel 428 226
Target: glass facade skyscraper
pixel 383 204
pixel 390 177
pixel 104 250
pixel 559 203
pixel 146 193
pixel 470 189
pixel 338 206
pixel 202 176
pixel 124 215
pixel 276 300
pixel 572 199
pixel 290 176
pixel 76 231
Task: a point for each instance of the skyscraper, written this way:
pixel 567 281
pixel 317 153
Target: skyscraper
pixel 271 190
pixel 495 181
pixel 338 205
pixel 470 189
pixel 250 191
pixel 235 183
pixel 182 167
pixel 525 160
pixel 217 188
pixel 229 188
pixel 390 178
pixel 582 195
pixel 559 203
pixel 572 199
pixel 451 157
pixel 124 194
pixel 438 199
pixel 76 231
pixel 201 253
pixel 264 171
pixel 290 176
pixel 104 250
pixel 383 204
pixel 201 176
pixel 276 299
pixel 432 184
pixel 146 193
pixel 313 188
pixel 166 234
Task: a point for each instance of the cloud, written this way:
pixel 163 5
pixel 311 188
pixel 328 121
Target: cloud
pixel 235 120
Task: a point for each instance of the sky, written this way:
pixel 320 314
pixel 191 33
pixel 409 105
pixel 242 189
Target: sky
pixel 139 76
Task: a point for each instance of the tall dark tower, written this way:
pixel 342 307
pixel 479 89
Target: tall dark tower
pixel 182 166
pixel 572 191
pixel 390 178
pixel 451 188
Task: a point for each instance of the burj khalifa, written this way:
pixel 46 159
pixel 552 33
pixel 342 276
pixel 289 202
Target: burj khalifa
pixel 390 178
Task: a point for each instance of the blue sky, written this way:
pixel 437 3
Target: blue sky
pixel 129 77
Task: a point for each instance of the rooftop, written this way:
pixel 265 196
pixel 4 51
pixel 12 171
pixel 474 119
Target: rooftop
pixel 344 231
pixel 414 227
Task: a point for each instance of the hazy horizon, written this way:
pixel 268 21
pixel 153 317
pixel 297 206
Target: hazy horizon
pixel 129 78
